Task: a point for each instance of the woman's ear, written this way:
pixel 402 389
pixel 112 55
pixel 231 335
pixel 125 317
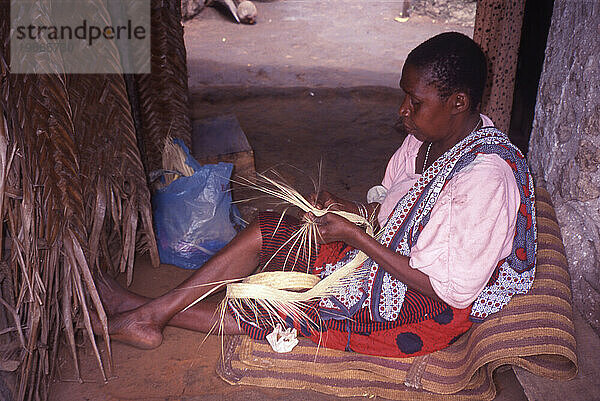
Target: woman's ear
pixel 459 102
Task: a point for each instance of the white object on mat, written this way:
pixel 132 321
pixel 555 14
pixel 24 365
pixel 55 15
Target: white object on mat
pixel 282 340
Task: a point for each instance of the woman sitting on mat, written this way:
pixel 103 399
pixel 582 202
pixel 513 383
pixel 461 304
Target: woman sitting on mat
pixel 458 240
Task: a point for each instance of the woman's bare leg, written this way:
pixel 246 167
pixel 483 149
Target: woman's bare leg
pixel 200 317
pixel 142 327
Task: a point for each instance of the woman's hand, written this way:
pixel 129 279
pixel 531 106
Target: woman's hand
pixel 332 227
pixel 326 200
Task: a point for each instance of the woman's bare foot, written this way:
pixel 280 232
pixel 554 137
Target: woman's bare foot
pixel 115 298
pixel 131 329
pixel 125 324
pixel 128 328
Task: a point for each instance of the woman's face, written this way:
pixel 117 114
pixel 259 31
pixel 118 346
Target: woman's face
pixel 422 113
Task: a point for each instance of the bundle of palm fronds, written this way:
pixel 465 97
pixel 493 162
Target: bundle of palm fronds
pixel 163 94
pixel 72 190
pixel 116 195
pixel 51 279
pixel 50 272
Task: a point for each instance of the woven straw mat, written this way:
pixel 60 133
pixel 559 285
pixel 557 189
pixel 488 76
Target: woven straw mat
pixel 534 331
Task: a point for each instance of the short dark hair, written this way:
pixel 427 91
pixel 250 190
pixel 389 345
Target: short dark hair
pixel 454 63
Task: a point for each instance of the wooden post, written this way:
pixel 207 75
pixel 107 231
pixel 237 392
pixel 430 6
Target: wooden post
pixel 497 30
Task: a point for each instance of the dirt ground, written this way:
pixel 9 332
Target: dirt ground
pixel 331 43
pixel 311 81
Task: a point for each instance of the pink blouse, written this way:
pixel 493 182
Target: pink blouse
pixel 471 226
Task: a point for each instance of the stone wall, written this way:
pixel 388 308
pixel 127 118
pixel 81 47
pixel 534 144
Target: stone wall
pixel 564 150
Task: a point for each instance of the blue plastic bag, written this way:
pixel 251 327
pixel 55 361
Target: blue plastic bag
pixel 193 216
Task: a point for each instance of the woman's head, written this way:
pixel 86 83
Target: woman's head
pixel 443 80
pixel 451 62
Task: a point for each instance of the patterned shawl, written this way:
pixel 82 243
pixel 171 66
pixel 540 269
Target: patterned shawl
pixel 384 294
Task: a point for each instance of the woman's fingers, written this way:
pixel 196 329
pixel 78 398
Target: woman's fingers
pixel 309 216
pixel 332 227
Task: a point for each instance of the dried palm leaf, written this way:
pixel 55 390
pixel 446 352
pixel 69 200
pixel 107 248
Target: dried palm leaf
pixel 66 304
pixel 112 162
pixel 58 129
pixel 163 94
pixel 7 154
pixel 27 232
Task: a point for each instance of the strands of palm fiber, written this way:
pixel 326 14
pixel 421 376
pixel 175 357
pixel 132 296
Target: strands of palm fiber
pixel 173 161
pixel 288 292
pixel 163 94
